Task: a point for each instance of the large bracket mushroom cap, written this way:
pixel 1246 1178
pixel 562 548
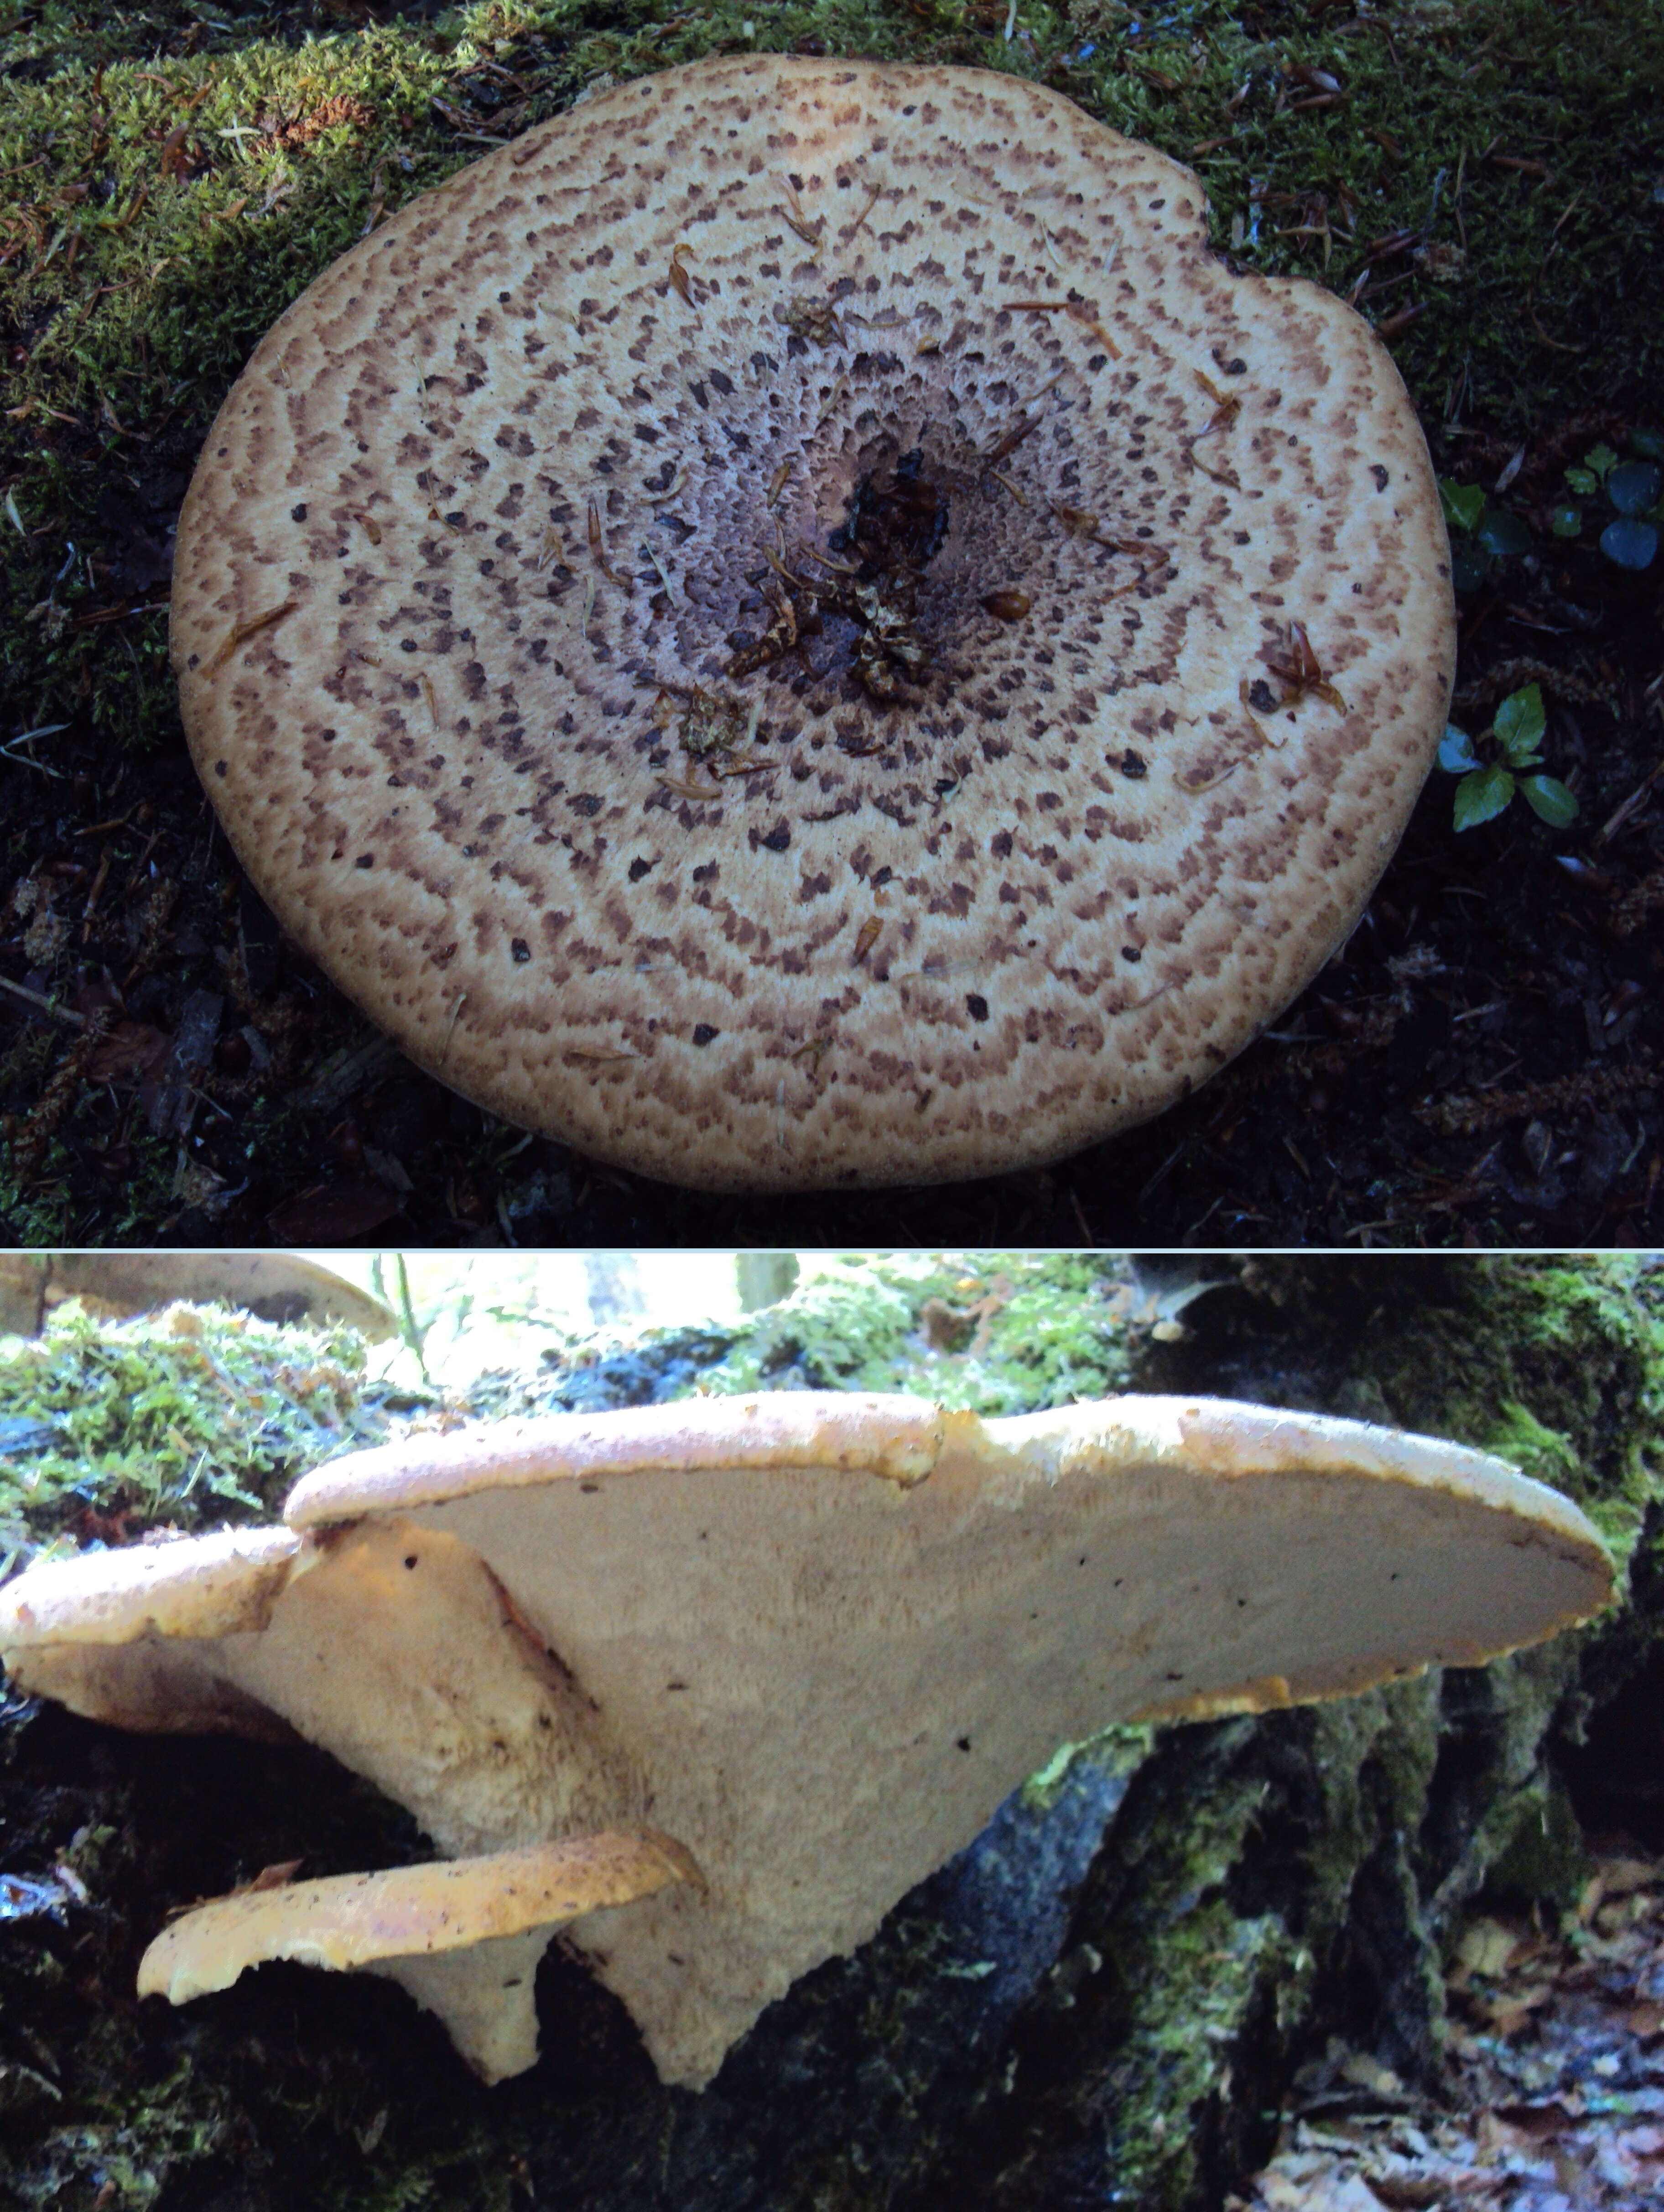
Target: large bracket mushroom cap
pixel 965 862
pixel 819 1639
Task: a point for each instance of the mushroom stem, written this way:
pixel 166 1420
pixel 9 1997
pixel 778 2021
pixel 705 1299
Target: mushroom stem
pixel 394 1648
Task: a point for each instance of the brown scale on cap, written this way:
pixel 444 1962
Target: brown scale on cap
pixel 928 390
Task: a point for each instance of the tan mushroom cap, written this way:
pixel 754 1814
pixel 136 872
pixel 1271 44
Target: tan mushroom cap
pixel 459 575
pixel 393 1647
pixel 275 1285
pixel 186 1586
pixel 831 1682
pixel 463 1936
pixel 817 1638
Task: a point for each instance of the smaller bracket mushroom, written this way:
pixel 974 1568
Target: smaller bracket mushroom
pixel 463 1936
pixel 393 1647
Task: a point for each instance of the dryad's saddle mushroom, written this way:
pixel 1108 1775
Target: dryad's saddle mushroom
pixel 758 1666
pixel 797 626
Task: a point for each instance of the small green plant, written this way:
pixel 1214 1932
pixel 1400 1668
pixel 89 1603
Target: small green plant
pixel 1481 534
pixel 1511 761
pixel 1634 489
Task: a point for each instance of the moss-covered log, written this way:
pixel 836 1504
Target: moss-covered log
pixel 1100 2001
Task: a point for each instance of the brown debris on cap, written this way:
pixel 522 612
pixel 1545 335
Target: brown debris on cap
pixel 866 656
pixel 831 1682
pixel 463 1936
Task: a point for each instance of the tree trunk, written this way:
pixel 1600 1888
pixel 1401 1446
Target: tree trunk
pixel 1102 2001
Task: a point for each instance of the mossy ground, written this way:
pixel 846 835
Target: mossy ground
pixel 1002 1335
pixel 183 1420
pixel 172 176
pixel 1261 1886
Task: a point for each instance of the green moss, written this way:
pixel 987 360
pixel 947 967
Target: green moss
pixel 1117 1752
pixel 1519 1437
pixel 1002 1333
pixel 167 2123
pixel 1183 1963
pixel 1545 1859
pixel 183 1419
pixel 1556 1367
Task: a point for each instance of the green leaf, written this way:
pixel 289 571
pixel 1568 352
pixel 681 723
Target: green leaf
pixel 1545 795
pixel 1631 544
pixel 1503 533
pixel 1463 504
pixel 1583 481
pixel 1566 521
pixel 1634 487
pixel 1520 726
pixel 1602 461
pixel 1456 753
pixel 1482 796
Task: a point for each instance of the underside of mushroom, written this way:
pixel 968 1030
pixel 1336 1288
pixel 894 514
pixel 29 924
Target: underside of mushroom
pixel 816 1639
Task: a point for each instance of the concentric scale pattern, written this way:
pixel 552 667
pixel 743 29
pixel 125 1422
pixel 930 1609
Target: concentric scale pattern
pixel 516 618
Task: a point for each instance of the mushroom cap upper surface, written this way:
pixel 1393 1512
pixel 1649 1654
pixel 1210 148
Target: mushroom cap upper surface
pixel 459 576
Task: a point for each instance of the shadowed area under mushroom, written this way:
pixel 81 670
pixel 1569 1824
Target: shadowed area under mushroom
pixel 797 627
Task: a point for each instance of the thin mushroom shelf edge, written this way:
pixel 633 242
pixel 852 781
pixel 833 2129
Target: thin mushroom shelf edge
pixel 796 627
pixel 710 1686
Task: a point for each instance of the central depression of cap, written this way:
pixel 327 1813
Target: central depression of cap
pixel 750 630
